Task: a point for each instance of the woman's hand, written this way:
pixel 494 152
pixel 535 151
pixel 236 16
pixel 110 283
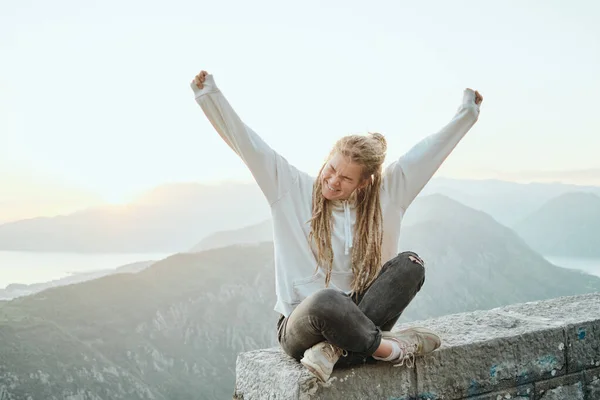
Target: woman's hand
pixel 199 79
pixel 478 98
pixel 471 95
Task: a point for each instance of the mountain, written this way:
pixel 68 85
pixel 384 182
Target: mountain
pixel 173 330
pixel 173 218
pixel 473 262
pixel 15 290
pixel 568 225
pixel 507 202
pixel 252 234
pixel 170 218
pixel 482 263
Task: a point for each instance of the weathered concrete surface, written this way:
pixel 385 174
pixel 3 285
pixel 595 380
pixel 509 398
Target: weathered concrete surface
pixel 592 383
pixel 524 392
pixel 584 350
pixel 501 352
pixel 271 374
pixel 564 387
pixel 501 362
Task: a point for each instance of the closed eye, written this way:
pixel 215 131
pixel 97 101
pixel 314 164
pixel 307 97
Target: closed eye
pixel 347 178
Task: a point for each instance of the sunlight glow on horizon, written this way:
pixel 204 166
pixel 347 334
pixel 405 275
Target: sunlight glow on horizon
pixel 114 117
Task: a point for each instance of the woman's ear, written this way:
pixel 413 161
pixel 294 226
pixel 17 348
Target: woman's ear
pixel 364 183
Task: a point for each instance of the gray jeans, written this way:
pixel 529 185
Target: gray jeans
pixel 353 323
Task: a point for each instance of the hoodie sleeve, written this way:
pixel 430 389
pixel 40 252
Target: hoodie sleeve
pixel 272 172
pixel 406 177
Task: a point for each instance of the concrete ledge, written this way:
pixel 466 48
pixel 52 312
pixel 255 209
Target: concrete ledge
pixel 539 350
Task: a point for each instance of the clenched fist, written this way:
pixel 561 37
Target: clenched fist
pixel 478 98
pixel 199 79
pixel 471 95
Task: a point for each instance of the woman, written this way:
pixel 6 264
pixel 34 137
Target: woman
pixel 340 284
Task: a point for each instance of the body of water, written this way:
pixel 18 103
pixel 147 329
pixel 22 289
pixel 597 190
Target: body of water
pixel 36 267
pixel 589 265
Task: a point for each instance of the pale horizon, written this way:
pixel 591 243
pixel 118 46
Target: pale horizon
pixel 80 200
pixel 95 104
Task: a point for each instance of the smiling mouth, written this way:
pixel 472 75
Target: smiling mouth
pixel 330 188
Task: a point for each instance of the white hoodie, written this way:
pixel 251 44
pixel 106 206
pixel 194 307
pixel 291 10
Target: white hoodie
pixel 289 193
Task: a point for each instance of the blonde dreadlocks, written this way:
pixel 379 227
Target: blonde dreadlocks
pixel 369 152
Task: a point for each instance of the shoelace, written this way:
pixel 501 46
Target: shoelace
pixel 408 355
pixel 333 351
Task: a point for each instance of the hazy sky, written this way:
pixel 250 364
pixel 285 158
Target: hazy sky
pixel 95 99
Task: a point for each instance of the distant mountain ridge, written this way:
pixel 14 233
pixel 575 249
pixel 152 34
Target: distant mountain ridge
pixel 568 225
pixel 507 202
pixel 173 218
pixel 252 234
pixel 169 219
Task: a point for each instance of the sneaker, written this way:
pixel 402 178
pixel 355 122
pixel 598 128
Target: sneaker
pixel 321 358
pixel 413 342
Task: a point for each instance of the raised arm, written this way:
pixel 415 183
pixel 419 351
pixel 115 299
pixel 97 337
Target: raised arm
pixel 406 177
pixel 271 171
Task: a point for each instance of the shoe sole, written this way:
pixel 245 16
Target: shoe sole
pixel 314 369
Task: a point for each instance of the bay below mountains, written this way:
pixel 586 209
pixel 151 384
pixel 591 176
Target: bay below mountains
pixel 15 290
pixel 174 329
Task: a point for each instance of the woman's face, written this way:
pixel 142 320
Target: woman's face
pixel 341 177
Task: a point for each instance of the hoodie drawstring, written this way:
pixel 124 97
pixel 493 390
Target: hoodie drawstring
pixel 347 229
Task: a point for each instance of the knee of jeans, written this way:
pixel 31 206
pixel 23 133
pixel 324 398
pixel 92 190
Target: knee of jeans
pixel 415 264
pixel 325 299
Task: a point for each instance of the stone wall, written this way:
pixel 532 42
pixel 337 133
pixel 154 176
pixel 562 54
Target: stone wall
pixel 541 350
